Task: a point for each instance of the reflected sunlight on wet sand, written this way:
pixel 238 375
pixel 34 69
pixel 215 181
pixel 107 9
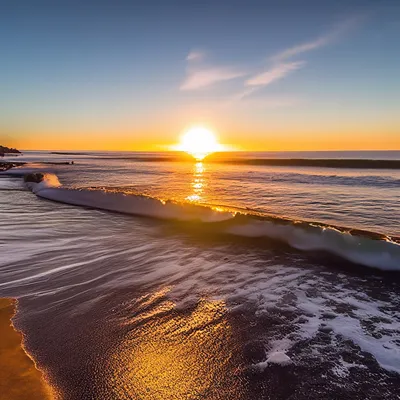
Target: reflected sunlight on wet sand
pixel 183 356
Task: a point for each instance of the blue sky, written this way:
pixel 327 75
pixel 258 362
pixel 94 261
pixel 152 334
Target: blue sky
pixel 133 75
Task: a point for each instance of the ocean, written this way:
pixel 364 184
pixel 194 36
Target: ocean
pixel 242 276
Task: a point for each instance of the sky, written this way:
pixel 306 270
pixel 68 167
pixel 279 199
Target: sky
pixel 263 75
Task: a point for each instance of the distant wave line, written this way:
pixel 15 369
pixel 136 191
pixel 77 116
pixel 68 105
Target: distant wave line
pixel 283 162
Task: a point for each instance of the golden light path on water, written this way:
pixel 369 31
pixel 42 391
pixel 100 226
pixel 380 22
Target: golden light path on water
pixel 198 183
pixel 170 354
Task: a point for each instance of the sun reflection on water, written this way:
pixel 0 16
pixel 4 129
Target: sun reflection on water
pixel 198 183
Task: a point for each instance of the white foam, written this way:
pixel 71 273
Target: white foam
pixel 361 250
pixel 279 357
pixel 348 325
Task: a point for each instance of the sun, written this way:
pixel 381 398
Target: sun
pixel 199 142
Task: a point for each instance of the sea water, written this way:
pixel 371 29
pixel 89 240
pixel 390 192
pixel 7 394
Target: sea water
pixel 154 279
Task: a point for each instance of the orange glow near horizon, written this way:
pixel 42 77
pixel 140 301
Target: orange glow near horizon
pixel 236 139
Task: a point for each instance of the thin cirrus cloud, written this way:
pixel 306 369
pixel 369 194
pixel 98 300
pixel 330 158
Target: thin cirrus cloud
pixel 281 67
pixel 340 29
pixel 202 77
pixel 277 72
pixel 195 55
pixel 301 48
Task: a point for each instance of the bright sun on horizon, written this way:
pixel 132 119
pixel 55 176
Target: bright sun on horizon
pixel 199 142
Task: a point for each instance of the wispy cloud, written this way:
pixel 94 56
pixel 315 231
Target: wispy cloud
pixel 339 30
pixel 195 55
pixel 200 76
pixel 301 48
pixel 203 77
pixel 276 72
pixel 243 94
pixel 281 67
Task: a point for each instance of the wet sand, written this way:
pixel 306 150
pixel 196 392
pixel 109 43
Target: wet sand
pixel 19 377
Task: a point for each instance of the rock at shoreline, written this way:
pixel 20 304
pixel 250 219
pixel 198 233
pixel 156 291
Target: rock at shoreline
pixel 34 177
pixel 4 166
pixel 8 150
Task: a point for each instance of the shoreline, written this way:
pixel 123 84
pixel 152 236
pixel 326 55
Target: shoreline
pixel 20 377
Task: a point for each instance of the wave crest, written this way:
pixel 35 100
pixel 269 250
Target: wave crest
pixel 371 251
pixel 51 189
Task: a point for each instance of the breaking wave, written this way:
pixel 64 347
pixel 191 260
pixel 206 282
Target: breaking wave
pixel 50 188
pixel 359 247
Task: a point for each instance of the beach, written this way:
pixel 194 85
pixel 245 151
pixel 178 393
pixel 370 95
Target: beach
pixel 20 379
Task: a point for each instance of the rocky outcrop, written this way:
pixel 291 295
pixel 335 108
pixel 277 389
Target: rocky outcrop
pixel 35 177
pixel 4 166
pixel 8 150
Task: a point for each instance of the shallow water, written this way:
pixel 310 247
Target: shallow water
pixel 117 306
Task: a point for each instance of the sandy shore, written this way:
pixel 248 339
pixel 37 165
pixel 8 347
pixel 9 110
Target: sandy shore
pixel 19 377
